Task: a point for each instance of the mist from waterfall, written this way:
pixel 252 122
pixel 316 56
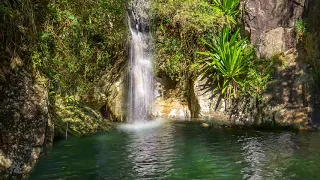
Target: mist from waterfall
pixel 141 93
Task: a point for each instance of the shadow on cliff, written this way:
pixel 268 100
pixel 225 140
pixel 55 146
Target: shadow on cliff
pixel 310 53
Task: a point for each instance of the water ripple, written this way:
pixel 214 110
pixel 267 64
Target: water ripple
pixel 184 151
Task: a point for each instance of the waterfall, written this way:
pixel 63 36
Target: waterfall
pixel 141 93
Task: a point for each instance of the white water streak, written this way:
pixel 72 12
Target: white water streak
pixel 141 93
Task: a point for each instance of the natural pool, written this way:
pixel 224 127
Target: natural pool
pixel 184 150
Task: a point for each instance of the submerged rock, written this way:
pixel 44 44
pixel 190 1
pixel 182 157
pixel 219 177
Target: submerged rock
pixel 205 125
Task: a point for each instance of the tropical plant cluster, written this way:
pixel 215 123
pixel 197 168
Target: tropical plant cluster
pixel 204 38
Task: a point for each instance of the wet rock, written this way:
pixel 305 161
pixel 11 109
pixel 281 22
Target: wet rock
pixel 116 106
pixel 110 94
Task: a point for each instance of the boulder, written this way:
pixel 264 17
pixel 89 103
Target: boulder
pixel 113 87
pixel 110 93
pixel 271 23
pixel 116 105
pixel 76 119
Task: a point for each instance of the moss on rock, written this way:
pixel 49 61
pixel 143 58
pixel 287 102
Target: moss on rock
pixel 76 118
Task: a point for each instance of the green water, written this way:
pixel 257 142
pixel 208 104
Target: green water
pixel 184 151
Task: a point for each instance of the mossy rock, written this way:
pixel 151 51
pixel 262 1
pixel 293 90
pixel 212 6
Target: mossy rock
pixel 77 119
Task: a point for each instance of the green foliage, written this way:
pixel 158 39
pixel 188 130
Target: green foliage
pixel 258 77
pixel 300 29
pixel 71 42
pixel 170 58
pixel 76 118
pixel 80 40
pixel 229 63
pixel 188 15
pixel 232 66
pixel 230 8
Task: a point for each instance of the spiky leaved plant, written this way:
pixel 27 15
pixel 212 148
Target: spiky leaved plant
pixel 229 61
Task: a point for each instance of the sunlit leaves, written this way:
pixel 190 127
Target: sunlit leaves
pixel 229 62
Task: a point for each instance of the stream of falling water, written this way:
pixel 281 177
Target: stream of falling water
pixel 141 93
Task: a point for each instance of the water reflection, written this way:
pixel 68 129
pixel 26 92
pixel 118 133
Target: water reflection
pixel 151 152
pixel 184 151
pixel 267 156
pixel 255 158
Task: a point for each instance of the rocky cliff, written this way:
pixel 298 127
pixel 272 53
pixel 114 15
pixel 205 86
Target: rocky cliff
pixel 271 24
pixel 25 124
pixel 272 27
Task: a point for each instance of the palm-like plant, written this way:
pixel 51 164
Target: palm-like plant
pixel 228 63
pixel 229 7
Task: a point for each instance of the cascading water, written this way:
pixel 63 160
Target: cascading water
pixel 141 93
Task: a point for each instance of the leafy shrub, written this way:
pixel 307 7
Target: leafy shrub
pixel 188 15
pixel 229 61
pixel 232 66
pixel 170 57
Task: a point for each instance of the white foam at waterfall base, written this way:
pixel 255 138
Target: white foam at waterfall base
pixel 140 126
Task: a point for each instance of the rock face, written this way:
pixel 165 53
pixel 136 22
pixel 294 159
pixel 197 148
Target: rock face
pixel 288 95
pixel 116 100
pixel 110 93
pixel 171 108
pixel 140 14
pixel 26 129
pixel 112 90
pixel 207 102
pixel 271 24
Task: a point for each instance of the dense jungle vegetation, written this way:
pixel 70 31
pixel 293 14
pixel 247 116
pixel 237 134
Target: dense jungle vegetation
pixel 69 42
pixel 73 43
